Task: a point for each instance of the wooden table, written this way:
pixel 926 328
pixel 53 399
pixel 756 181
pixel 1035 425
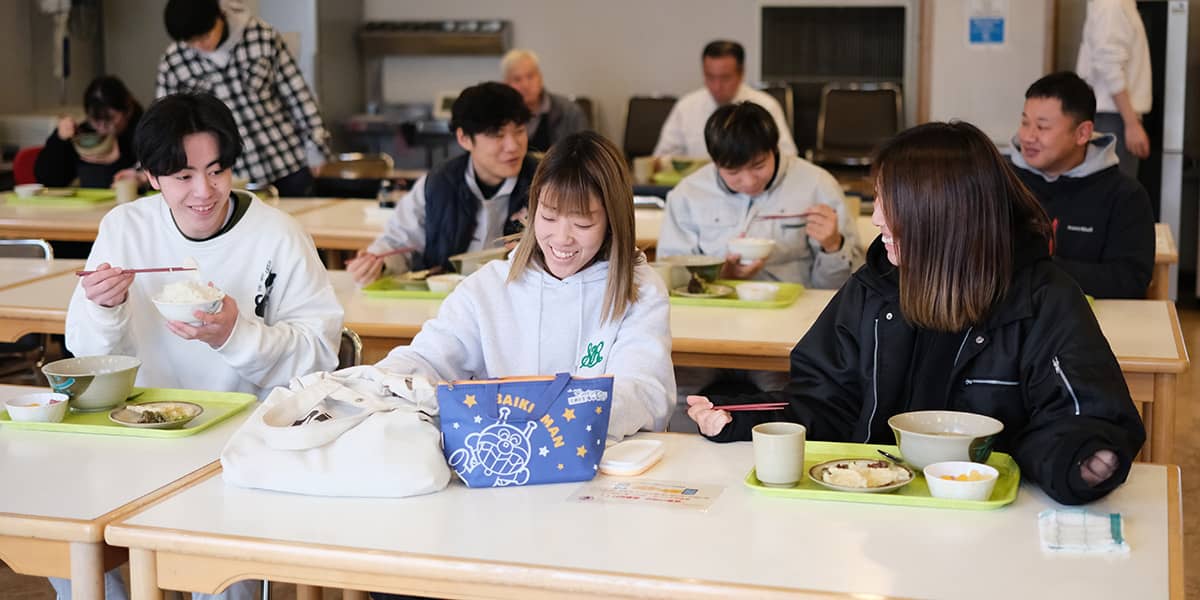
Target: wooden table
pixel 80 224
pixel 61 490
pixel 1144 335
pixel 1166 255
pixel 534 542
pixel 18 271
pixel 354 224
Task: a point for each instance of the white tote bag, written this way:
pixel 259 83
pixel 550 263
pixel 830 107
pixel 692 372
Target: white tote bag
pixel 357 432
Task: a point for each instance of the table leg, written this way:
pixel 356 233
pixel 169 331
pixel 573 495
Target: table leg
pixel 308 592
pixel 87 571
pixel 353 595
pixel 1163 439
pixel 143 575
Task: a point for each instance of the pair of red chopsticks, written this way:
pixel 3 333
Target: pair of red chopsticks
pixel 764 406
pixel 151 270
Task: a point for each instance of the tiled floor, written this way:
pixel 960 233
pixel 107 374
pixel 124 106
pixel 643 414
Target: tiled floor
pixel 1187 453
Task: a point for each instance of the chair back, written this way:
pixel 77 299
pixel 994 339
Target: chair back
pixel 589 110
pixel 23 165
pixel 350 349
pixel 854 119
pixel 353 175
pixel 782 93
pixel 26 249
pixel 357 165
pixel 643 123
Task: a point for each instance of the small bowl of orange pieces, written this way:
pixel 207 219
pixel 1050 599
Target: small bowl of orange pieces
pixel 961 480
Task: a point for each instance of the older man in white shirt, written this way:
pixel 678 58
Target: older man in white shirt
pixel 724 69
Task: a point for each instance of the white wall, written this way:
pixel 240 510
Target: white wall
pixel 986 86
pixel 608 50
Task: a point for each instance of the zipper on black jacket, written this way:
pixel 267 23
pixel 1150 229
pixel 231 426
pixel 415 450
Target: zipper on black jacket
pixel 874 383
pixel 990 382
pixel 1063 376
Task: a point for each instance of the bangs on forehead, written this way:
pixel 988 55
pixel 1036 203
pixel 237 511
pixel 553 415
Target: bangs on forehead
pixel 570 193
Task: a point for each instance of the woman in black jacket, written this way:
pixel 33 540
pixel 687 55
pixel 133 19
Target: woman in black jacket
pixel 113 113
pixel 959 307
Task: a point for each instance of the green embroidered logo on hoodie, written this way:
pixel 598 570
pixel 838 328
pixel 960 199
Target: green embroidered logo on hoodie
pixel 592 358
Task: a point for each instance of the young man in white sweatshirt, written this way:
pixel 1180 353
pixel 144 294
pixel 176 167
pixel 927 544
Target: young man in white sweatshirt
pixel 752 190
pixel 575 296
pixel 279 318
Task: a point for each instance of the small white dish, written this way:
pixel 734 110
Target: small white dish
pixel 40 407
pixel 757 291
pixel 817 472
pixel 186 311
pixel 28 190
pixel 156 415
pixel 951 489
pixel 444 283
pixel 751 249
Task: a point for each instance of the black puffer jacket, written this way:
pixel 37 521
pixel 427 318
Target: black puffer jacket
pixel 1039 364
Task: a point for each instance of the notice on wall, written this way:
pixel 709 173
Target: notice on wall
pixel 986 23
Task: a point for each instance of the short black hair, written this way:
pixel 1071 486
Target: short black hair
pixel 158 141
pixel 487 108
pixel 723 48
pixel 106 93
pixel 186 19
pixel 738 133
pixel 1076 96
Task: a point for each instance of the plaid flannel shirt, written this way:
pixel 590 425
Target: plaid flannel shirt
pixel 274 109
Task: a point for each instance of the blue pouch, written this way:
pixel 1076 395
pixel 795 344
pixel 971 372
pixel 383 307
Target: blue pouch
pixel 525 430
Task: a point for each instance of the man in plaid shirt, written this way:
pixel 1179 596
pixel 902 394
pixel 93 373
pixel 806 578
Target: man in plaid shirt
pixel 243 62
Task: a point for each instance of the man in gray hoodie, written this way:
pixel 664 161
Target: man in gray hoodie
pixel 1102 218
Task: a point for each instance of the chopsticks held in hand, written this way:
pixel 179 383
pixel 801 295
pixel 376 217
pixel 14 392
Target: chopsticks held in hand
pixel 751 407
pixel 151 270
pixel 404 250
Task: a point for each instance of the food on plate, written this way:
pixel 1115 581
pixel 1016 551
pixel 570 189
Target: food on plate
pixel 696 285
pixel 864 474
pixel 166 414
pixel 188 291
pixel 974 475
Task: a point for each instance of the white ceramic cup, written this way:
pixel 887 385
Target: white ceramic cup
pixel 779 453
pixel 643 169
pixel 127 189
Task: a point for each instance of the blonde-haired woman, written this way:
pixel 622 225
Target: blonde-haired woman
pixel 575 296
pixel 959 307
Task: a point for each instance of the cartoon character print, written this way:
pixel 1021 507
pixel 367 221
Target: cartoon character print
pixel 265 285
pixel 500 449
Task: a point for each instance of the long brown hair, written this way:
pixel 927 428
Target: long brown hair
pixel 578 168
pixel 954 206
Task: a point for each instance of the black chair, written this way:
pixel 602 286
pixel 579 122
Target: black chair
pixel 643 123
pixel 854 119
pixel 589 109
pixel 782 93
pixel 353 175
pixel 28 352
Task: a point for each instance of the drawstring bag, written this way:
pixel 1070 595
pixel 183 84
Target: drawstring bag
pixel 525 430
pixel 358 432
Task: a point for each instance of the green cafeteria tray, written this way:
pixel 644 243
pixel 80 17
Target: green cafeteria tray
pixel 80 197
pixel 390 287
pixel 218 406
pixel 788 293
pixel 913 494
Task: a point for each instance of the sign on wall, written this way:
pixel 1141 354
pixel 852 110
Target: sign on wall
pixel 986 23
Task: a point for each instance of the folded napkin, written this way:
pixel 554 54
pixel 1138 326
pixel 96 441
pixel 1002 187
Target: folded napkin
pixel 1079 531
